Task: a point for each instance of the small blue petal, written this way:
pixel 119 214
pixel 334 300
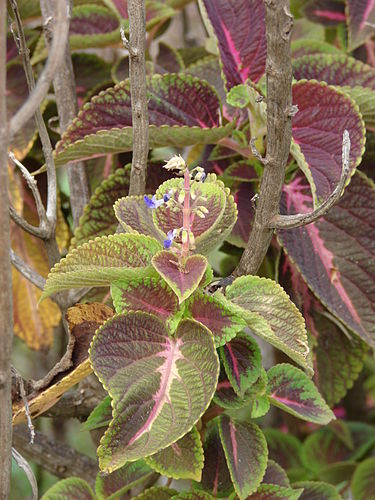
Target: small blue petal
pixel 150 203
pixel 166 197
pixel 167 244
pixel 203 177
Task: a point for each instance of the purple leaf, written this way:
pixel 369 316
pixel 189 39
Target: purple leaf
pixel 291 390
pixel 361 20
pixel 113 486
pixel 215 475
pixel 92 20
pixel 241 231
pixel 323 115
pixel 242 362
pixel 334 69
pixel 160 386
pixel 275 474
pixel 336 254
pixel 150 295
pixel 216 315
pixel 239 26
pixel 182 278
pixel 337 358
pixel 327 12
pixel 226 397
pixel 246 452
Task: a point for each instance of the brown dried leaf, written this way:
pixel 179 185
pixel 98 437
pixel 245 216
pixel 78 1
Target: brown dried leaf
pixel 83 321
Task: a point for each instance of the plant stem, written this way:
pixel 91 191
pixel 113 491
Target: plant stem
pixel 279 23
pixel 186 215
pixel 6 323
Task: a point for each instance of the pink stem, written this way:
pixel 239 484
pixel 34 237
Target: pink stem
pixel 186 212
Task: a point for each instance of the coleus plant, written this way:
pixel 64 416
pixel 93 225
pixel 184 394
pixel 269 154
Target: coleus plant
pixel 179 360
pixel 176 355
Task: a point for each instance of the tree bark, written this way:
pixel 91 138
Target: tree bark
pixel 279 23
pixel 6 323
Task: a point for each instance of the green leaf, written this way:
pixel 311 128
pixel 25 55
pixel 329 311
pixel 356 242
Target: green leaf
pixel 291 390
pixel 160 386
pixel 271 315
pixel 194 495
pixel 182 459
pixel 324 447
pixel 182 278
pixel 157 492
pixel 239 96
pixel 183 111
pixel 112 486
pixel 100 416
pixel 285 449
pixel 221 320
pixel 72 488
pixel 242 361
pixel 103 261
pixel 317 490
pixel 98 218
pixel 275 492
pixel 363 484
pixel 246 452
pixel 135 217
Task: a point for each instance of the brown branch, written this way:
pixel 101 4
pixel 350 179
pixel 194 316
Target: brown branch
pixel 6 323
pixel 298 220
pixel 26 271
pixel 55 457
pixel 53 62
pixel 137 71
pixel 279 23
pixel 47 226
pixel 67 108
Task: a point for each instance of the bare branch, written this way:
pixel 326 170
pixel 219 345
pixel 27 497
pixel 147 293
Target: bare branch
pixel 55 457
pixel 48 223
pixel 6 323
pixel 21 386
pixel 67 108
pixel 27 271
pixel 29 228
pixel 279 23
pixel 21 462
pixel 298 220
pixel 31 182
pixel 53 62
pixel 137 49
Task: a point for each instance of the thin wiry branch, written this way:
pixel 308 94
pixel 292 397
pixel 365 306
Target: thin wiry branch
pixel 67 108
pixel 54 60
pixel 27 271
pixel 39 232
pixel 22 463
pixel 298 220
pixel 47 228
pixel 31 182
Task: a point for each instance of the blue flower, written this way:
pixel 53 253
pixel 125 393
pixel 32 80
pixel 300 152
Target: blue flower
pixel 170 237
pixel 153 202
